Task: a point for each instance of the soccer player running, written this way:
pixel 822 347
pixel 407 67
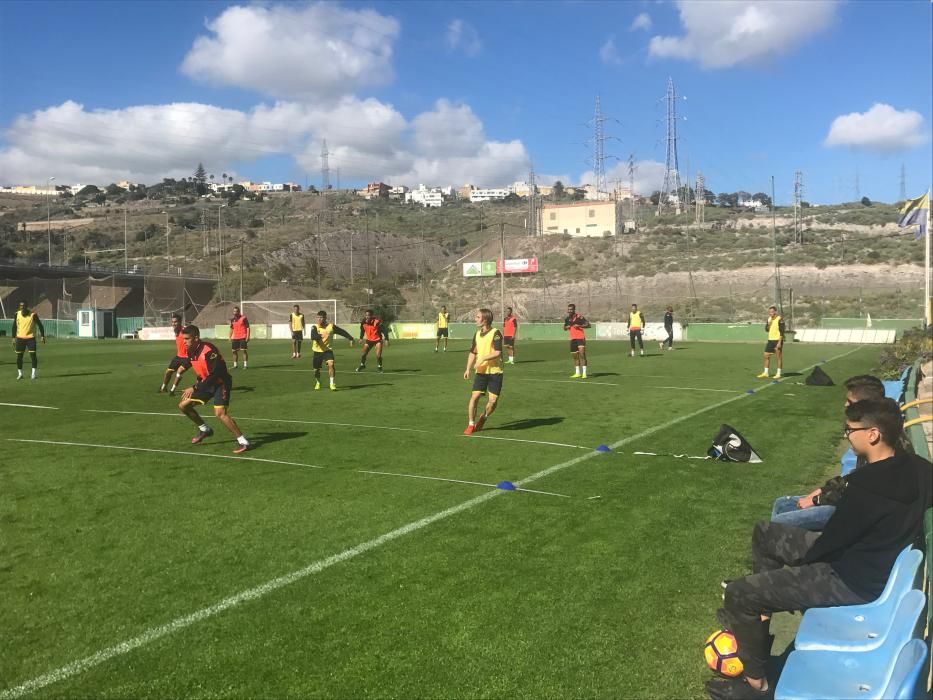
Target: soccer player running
pixel 321 333
pixel 575 324
pixel 443 328
pixel 486 356
pixel 180 362
pixel 214 382
pixel 509 331
pixel 372 333
pixel 774 326
pixel 636 323
pixel 669 328
pixel 296 321
pixel 25 323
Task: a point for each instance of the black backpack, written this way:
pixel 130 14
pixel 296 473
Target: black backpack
pixel 730 446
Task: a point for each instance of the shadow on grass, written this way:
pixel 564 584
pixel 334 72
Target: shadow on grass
pixel 530 423
pixel 243 388
pixel 791 374
pixel 79 374
pixel 354 387
pixel 593 375
pixel 528 362
pixel 399 371
pixel 263 439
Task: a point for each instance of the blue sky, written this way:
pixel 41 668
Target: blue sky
pixel 456 92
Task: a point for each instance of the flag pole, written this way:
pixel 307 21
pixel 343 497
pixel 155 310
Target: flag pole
pixel 927 310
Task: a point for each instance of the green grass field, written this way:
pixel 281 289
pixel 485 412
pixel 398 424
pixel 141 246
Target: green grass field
pixel 296 570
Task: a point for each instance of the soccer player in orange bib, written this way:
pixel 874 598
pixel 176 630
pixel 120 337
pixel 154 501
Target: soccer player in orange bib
pixel 372 333
pixel 239 336
pixel 575 324
pixel 180 362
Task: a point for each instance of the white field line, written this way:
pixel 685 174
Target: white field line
pixel 535 442
pixel 28 405
pixel 694 388
pixel 266 420
pixel 457 481
pixel 270 461
pixel 264 589
pixel 566 381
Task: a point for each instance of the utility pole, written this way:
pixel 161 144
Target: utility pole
pixel 168 252
pixel 798 212
pixel 126 264
pixel 501 270
pixel 325 175
pixel 599 158
pixel 777 273
pixel 631 184
pixel 700 217
pixel 858 189
pixel 671 164
pixel 903 183
pixel 242 241
pixel 532 227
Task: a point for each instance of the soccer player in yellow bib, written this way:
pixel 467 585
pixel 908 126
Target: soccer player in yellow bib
pixel 443 328
pixel 486 356
pixel 25 323
pixel 775 345
pixel 321 333
pixel 296 321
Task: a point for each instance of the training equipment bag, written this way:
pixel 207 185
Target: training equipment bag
pixel 730 446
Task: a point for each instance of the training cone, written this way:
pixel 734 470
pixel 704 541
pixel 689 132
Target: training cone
pixel 603 448
pixel 775 382
pixel 750 391
pixel 506 486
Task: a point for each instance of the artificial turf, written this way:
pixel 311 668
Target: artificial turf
pixel 608 588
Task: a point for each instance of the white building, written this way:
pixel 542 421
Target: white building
pixel 426 197
pixel 488 194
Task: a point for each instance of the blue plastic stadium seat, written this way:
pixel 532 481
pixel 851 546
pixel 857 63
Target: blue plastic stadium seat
pixel 848 462
pixel 841 675
pixel 894 389
pixel 905 375
pixel 907 669
pixel 860 627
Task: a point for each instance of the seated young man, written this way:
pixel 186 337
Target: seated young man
pixel 880 512
pixel 813 510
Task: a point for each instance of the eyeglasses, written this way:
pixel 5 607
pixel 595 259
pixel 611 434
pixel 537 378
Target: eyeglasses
pixel 846 431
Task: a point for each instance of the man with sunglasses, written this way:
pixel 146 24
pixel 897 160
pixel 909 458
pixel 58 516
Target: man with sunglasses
pixel 880 513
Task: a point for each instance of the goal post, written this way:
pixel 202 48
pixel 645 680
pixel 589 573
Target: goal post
pixel 277 314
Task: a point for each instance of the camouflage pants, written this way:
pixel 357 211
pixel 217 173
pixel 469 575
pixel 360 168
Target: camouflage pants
pixel 781 582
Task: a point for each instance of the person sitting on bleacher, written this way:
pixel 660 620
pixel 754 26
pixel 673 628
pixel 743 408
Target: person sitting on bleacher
pixel 880 512
pixel 813 510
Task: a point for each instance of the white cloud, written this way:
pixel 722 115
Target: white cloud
pixel 609 54
pixel 643 21
pixel 366 138
pixel 723 33
pixel 463 36
pixel 882 128
pixel 315 51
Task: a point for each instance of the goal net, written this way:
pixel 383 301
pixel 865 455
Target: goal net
pixel 277 314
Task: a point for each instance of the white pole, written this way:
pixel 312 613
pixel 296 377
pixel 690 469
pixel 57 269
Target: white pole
pixel 126 264
pixel 48 214
pixel 927 311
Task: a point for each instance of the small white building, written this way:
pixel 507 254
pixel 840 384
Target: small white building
pixel 488 194
pixel 426 197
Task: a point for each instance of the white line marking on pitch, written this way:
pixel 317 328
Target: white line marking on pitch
pixel 266 420
pixel 257 592
pixel 694 388
pixel 457 481
pixel 565 381
pixel 535 442
pixel 29 405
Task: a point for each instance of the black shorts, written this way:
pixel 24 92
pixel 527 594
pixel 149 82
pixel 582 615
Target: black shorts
pixel 577 345
pixel 25 344
pixel 179 362
pixel 372 343
pixel 771 346
pixel 238 344
pixel 509 341
pixel 219 393
pixel 319 358
pixel 443 332
pixel 488 382
pixel 298 335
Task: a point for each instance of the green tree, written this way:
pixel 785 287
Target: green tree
pixel 557 193
pixel 763 198
pixel 866 202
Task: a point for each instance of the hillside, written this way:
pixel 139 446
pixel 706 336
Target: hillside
pixel 852 258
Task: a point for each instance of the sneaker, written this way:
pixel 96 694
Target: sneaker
pixel 333 387
pixel 241 448
pixel 642 353
pixel 480 422
pixel 317 386
pixel 582 376
pixel 161 391
pixel 360 368
pixel 435 349
pixel 199 438
pixel 20 377
pixel 380 370
pixel 763 375
pixel 171 392
pixel 631 354
pixel 671 348
pixel 660 346
pixel 575 376
pixel 469 430
pixel 777 376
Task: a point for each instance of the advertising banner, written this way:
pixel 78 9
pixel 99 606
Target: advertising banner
pixel 518 266
pixel 479 269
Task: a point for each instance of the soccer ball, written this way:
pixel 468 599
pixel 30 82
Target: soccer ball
pixel 721 652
